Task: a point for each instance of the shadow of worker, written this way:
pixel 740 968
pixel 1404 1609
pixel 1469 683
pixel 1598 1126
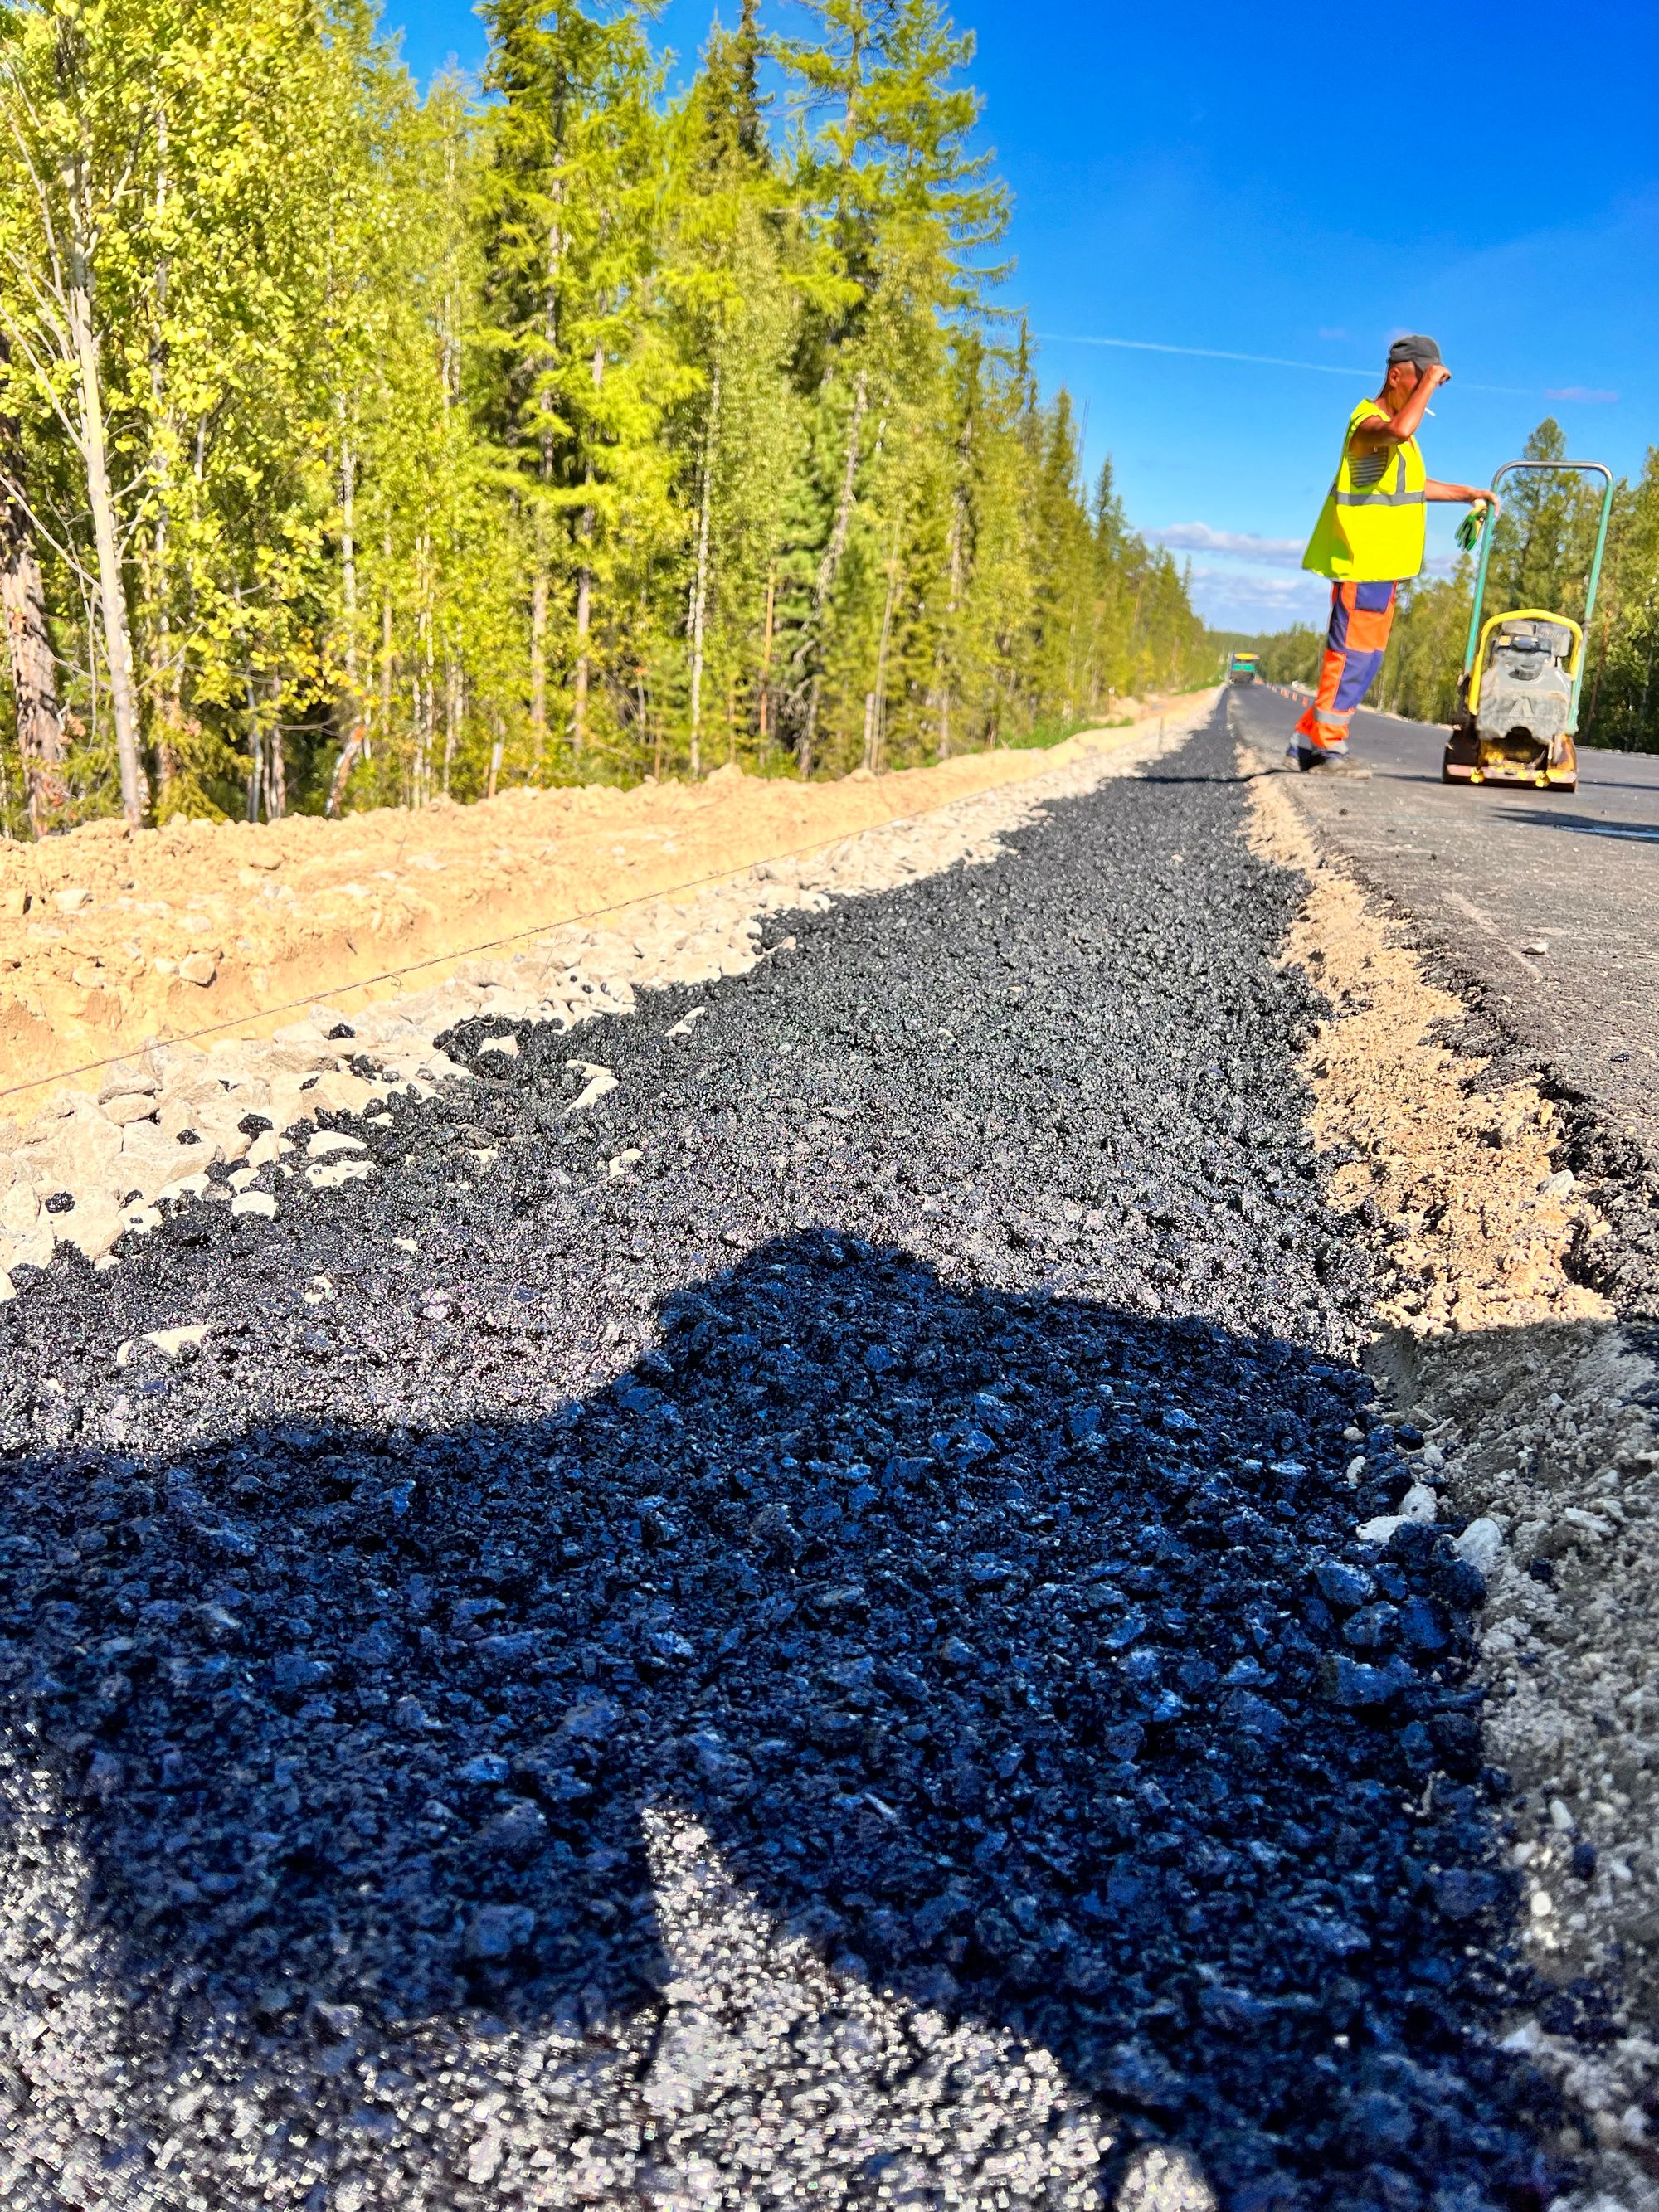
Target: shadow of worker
pixel 1016 1653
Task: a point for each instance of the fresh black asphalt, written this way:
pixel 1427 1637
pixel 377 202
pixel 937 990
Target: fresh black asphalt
pixel 901 1426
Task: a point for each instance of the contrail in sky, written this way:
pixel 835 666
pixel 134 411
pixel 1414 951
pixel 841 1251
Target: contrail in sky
pixel 1256 359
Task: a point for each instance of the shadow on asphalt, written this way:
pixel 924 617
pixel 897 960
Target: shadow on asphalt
pixel 1583 825
pixel 1047 1693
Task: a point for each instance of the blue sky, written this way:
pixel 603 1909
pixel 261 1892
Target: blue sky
pixel 1303 182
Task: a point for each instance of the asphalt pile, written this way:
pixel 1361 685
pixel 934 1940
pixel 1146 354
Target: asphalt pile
pixel 798 1630
pixel 89 1166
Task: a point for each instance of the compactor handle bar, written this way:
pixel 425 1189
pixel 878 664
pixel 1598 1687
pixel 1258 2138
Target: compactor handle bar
pixel 1544 468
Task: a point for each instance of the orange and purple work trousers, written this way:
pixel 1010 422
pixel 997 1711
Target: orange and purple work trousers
pixel 1361 617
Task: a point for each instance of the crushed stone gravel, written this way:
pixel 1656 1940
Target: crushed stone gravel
pixel 109 935
pixel 800 1632
pixel 173 1119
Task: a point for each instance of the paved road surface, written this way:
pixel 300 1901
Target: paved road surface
pixel 1488 872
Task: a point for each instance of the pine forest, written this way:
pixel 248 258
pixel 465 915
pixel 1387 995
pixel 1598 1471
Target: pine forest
pixel 363 444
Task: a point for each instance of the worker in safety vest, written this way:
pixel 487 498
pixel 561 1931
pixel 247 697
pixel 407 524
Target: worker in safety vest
pixel 1369 540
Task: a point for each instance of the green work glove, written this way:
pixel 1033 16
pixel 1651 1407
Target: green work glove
pixel 1469 529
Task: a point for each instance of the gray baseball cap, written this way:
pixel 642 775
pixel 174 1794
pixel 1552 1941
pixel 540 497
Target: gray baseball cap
pixel 1421 352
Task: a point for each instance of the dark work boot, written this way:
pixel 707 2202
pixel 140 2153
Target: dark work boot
pixel 1315 762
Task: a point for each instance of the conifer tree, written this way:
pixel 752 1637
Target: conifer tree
pixel 361 446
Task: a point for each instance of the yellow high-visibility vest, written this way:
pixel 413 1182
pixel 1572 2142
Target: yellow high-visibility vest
pixel 1371 528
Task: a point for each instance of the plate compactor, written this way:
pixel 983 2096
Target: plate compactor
pixel 1517 714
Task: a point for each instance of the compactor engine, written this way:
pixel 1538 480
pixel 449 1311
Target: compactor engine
pixel 1517 705
pixel 1523 725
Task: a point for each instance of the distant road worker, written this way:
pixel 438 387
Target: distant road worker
pixel 1369 540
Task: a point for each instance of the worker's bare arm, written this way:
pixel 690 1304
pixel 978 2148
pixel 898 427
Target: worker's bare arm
pixel 1385 429
pixel 1459 494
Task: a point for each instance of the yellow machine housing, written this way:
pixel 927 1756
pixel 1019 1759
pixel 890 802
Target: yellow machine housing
pixel 1515 724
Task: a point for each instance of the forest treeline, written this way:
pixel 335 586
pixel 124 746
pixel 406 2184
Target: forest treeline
pixel 359 444
pixel 1539 558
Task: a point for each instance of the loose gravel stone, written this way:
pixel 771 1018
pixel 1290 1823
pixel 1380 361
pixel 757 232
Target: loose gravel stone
pixel 817 1664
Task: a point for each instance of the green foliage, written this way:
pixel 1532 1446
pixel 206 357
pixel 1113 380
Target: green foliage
pixel 1424 658
pixel 544 430
pixel 1290 656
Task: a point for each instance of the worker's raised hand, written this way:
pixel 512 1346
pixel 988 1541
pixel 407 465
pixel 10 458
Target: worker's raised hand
pixel 1434 374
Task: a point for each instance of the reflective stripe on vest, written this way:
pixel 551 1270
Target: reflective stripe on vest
pixel 1371 532
pixel 1401 495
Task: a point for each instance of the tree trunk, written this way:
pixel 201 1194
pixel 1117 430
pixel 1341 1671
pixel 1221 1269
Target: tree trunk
pixel 881 652
pixel 348 561
pixel 829 567
pixel 352 748
pixel 700 588
pixel 584 604
pixel 766 663
pixel 426 718
pixel 584 625
pixel 33 671
pixel 100 499
pixel 256 749
pixel 452 715
pixel 351 752
pixel 947 642
pixel 539 655
pixel 276 765
pixel 167 671
pixel 386 652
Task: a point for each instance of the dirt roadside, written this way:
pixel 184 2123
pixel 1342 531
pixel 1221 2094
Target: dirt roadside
pixel 1540 1458
pixel 168 1119
pixel 109 939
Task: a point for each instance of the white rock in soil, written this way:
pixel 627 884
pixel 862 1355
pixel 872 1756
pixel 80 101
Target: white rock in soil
pixel 1419 1503
pixel 1379 1530
pixel 72 902
pixel 324 1141
pixel 1561 1818
pixel 195 1185
pixel 133 1106
pixel 597 1081
pixel 254 1201
pixel 508 1046
pixel 1481 1544
pixel 331 1174
pixel 170 1340
pixel 1557 1185
pixel 127 1081
pixel 94 1224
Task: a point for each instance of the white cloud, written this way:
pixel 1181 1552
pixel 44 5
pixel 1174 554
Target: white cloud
pixel 1243 598
pixel 1239 544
